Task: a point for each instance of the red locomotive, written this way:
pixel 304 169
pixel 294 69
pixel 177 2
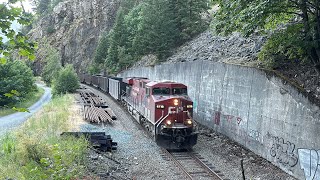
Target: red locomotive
pixel 164 109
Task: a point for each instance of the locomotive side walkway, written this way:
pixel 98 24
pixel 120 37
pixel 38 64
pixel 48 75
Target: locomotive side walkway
pixel 14 120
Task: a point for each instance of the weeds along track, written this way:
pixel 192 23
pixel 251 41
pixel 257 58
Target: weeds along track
pixel 192 165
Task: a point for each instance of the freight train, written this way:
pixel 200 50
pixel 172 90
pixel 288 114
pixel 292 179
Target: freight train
pixel 162 108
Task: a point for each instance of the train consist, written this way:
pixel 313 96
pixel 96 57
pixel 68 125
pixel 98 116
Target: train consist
pixel 162 108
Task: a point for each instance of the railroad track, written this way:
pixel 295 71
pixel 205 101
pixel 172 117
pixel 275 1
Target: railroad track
pixel 192 165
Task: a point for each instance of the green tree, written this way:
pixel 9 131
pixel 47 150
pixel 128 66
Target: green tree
pixel 117 38
pixel 298 17
pixel 187 15
pixel 100 55
pixel 152 27
pixel 15 40
pixel 101 52
pixel 53 65
pixel 158 28
pixel 16 81
pixel 66 81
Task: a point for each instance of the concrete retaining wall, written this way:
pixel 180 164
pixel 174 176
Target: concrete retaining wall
pixel 255 109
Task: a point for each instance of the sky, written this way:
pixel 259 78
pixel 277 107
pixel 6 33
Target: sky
pixel 26 4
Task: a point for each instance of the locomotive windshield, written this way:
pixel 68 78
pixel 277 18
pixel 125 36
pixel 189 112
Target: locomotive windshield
pixel 179 91
pixel 161 91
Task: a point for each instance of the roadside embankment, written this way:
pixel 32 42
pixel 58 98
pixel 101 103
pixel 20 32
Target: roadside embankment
pixel 14 120
pixel 35 150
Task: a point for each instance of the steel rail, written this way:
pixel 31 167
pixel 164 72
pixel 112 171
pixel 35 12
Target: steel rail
pixel 177 163
pixel 207 169
pixel 202 164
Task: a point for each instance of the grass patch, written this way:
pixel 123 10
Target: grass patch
pixel 26 102
pixel 36 150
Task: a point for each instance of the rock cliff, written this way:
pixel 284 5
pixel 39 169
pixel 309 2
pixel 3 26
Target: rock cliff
pixel 74 27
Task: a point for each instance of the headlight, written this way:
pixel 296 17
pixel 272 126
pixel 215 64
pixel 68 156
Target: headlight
pixel 188 122
pixel 160 106
pixel 169 122
pixel 189 106
pixel 176 102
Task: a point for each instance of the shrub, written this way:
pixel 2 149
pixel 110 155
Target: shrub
pixel 16 81
pixel 66 81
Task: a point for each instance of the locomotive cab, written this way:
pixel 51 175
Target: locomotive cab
pixel 174 126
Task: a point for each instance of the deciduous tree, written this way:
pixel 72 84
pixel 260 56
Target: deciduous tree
pixel 15 40
pixel 298 17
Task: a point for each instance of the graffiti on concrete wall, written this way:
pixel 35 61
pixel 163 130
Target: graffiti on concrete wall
pixel 310 163
pixel 218 116
pixel 256 135
pixel 283 151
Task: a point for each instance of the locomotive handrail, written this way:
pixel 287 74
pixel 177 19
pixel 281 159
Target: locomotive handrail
pixel 159 122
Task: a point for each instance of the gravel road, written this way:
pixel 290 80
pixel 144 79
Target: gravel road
pixel 14 120
pixel 140 158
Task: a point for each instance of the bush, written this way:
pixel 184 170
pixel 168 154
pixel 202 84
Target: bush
pixel 16 81
pixel 284 47
pixel 67 81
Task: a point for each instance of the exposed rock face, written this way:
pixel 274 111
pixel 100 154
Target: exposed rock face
pixel 74 27
pixel 233 49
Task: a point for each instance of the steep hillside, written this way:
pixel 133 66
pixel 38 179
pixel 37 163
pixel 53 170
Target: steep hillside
pixel 74 28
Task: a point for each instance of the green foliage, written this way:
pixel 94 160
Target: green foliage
pixel 283 47
pixel 102 49
pixel 296 24
pixel 66 81
pixel 37 151
pixel 53 65
pixel 152 27
pixel 16 81
pixel 16 40
pixel 94 69
pixel 187 14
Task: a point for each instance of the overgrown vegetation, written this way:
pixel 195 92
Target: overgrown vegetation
pixel 62 79
pixel 36 150
pixel 66 81
pixel 52 62
pixel 149 27
pixel 16 82
pixel 23 103
pixel 294 27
